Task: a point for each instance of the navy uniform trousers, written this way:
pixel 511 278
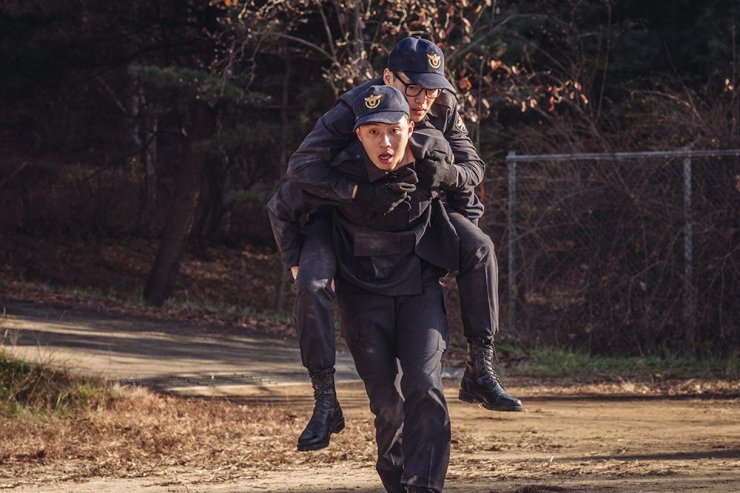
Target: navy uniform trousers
pixel 383 333
pixel 477 280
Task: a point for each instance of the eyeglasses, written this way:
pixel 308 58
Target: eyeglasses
pixel 412 90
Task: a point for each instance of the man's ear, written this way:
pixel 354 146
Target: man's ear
pixel 387 77
pixel 411 126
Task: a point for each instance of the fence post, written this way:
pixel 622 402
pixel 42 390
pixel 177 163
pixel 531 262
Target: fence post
pixel 688 256
pixel 511 224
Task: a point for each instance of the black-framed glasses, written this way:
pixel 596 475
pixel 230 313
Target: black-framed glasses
pixel 412 90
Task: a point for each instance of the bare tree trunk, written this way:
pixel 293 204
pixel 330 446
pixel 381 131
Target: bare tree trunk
pixel 211 208
pixel 149 161
pixel 143 144
pixel 161 281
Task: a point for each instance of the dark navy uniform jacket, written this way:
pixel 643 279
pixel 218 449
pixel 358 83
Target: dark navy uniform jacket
pixel 382 253
pixel 308 167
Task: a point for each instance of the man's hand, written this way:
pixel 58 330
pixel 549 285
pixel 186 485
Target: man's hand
pixel 436 171
pixel 383 196
pixel 404 174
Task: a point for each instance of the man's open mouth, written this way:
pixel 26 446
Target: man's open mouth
pixel 385 158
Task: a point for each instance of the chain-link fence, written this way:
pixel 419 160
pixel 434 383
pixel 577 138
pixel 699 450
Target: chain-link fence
pixel 625 252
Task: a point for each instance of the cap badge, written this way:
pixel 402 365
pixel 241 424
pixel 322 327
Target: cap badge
pixel 372 102
pixel 434 60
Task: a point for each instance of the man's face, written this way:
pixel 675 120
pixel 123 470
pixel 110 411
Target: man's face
pixel 385 144
pixel 420 103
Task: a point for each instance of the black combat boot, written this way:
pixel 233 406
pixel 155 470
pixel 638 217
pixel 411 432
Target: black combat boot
pixel 480 383
pixel 327 415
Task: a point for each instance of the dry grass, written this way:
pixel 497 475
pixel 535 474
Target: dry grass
pixel 140 434
pixel 137 433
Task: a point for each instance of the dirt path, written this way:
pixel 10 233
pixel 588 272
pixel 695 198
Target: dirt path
pixel 167 356
pixel 610 438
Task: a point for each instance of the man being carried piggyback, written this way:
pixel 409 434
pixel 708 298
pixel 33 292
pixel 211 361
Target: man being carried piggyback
pixel 416 68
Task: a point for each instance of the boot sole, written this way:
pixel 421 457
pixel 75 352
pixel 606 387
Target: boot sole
pixel 472 399
pixel 336 428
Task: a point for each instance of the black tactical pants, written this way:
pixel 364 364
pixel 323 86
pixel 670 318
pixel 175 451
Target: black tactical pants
pixel 314 295
pixel 412 427
pixel 477 278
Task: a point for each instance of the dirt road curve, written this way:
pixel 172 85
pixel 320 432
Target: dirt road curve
pixel 608 438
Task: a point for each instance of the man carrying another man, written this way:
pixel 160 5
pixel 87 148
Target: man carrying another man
pixel 416 68
pixel 390 298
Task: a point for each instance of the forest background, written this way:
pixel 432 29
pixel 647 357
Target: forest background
pixel 142 139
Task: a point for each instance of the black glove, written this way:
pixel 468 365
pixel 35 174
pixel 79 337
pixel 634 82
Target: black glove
pixel 383 196
pixel 407 177
pixel 436 171
pixel 404 174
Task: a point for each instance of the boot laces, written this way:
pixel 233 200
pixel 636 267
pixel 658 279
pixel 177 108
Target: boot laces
pixel 323 389
pixel 487 355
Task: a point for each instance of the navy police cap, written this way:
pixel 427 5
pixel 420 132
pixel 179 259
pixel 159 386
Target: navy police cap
pixel 380 104
pixel 422 61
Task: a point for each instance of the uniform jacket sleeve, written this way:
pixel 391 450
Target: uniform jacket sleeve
pixel 309 167
pixel 464 200
pixel 470 167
